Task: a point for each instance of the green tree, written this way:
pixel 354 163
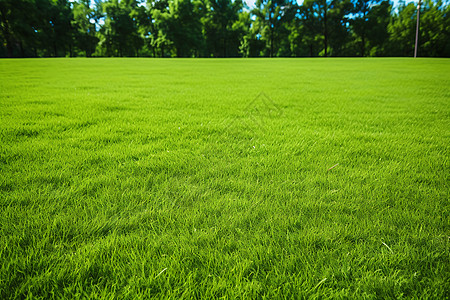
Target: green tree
pixel 321 10
pixel 434 37
pixel 445 50
pixel 370 25
pixel 178 27
pixel 328 21
pixel 251 44
pixel 222 36
pixel 310 27
pixel 377 31
pixel 221 28
pixel 271 18
pixel 402 31
pixel 120 35
pixel 339 30
pixel 159 26
pixel 57 28
pixel 20 23
pixel 84 27
pixel 185 30
pixel 361 22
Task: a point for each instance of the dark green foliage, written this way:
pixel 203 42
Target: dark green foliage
pixel 272 17
pixel 184 28
pixel 120 35
pixel 377 30
pixel 36 27
pixel 85 36
pixel 435 29
pixel 221 28
pixel 402 31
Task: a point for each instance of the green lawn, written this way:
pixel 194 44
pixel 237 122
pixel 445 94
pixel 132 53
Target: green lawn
pixel 224 178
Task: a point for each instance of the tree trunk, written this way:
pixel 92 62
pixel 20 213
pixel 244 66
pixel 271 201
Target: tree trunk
pixel 363 45
pixel 22 51
pixel 271 44
pixel 224 40
pixel 224 47
pixel 9 47
pixel 6 33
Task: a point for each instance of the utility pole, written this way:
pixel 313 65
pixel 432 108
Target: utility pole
pixel 417 29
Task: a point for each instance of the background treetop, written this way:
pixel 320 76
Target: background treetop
pixel 221 28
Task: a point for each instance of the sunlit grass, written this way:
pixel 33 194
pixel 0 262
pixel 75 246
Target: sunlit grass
pixel 138 178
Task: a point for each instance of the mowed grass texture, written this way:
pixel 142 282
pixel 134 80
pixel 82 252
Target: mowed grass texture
pixel 227 178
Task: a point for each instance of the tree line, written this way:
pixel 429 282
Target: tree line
pixel 221 28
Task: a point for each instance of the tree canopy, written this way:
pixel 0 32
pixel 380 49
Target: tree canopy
pixel 221 28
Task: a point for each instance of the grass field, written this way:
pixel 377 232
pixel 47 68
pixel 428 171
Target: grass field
pixel 237 179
